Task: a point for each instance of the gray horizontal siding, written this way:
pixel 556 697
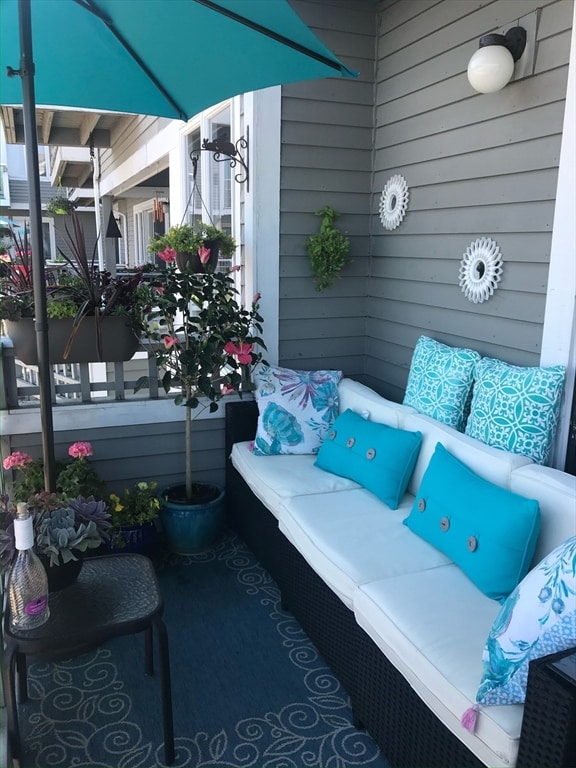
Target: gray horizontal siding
pixel 123 456
pixel 476 165
pixel 327 131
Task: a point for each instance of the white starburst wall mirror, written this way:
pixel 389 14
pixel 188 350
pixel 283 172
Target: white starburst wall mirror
pixel 393 202
pixel 480 270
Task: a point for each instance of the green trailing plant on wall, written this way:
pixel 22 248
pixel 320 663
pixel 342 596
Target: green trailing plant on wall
pixel 328 250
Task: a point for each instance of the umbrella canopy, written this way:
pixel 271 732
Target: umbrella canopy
pixel 169 58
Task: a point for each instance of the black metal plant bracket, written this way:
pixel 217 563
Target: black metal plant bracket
pixel 223 150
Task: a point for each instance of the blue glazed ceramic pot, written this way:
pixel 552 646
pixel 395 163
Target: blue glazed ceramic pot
pixel 138 539
pixel 192 527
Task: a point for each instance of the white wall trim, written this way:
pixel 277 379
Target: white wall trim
pixel 22 421
pixel 262 113
pixel 558 338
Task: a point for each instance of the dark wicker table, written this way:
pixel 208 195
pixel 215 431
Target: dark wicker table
pixel 548 738
pixel 114 595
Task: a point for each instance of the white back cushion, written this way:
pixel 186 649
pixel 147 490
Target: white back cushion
pixel 492 464
pixel 367 403
pixel 556 492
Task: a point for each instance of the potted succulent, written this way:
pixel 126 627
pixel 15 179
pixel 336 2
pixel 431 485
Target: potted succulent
pixel 206 348
pixel 66 523
pixel 197 246
pixel 134 515
pixel 92 315
pixel 64 530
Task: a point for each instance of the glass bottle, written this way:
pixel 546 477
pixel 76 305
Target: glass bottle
pixel 27 582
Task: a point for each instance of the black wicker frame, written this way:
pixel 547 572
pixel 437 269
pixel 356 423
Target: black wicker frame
pixel 408 733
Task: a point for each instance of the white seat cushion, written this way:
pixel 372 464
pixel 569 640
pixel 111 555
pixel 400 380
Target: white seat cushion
pixel 432 627
pixel 352 538
pixel 272 479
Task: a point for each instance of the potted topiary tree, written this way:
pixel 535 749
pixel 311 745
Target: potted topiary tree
pixel 207 348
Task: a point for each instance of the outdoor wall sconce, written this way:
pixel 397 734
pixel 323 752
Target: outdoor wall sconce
pixel 492 66
pixel 223 150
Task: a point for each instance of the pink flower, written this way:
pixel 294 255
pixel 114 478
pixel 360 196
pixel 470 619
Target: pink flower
pixel 80 450
pixel 237 268
pixel 17 460
pixel 168 255
pixel 159 290
pixel 169 341
pixel 257 297
pixel 242 351
pixel 204 254
pixel 227 389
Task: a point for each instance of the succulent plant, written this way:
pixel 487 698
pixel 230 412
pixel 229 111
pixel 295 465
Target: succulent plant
pixel 59 532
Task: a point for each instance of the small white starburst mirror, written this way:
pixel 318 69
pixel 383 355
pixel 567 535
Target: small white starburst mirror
pixel 393 202
pixel 480 270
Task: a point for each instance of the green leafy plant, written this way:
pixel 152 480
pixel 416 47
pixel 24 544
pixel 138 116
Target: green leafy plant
pixel 135 506
pixel 328 250
pixel 184 238
pixel 60 205
pixel 207 343
pixel 83 289
pixel 74 478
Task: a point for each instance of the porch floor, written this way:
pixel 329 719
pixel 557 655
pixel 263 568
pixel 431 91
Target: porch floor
pixel 249 688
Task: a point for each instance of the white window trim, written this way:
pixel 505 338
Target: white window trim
pixel 559 334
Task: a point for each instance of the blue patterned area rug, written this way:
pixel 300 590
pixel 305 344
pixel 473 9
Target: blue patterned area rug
pixel 248 687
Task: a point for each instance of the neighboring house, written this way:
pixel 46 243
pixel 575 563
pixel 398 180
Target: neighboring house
pixel 497 165
pixel 15 197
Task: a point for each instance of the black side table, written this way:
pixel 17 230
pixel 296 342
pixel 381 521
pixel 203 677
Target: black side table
pixel 114 595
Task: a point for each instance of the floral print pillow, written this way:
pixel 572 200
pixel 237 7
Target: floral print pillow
pixel 296 409
pixel 537 619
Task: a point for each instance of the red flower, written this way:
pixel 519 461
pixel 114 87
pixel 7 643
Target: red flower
pixel 17 460
pixel 204 254
pixel 169 341
pixel 168 255
pixel 80 450
pixel 242 351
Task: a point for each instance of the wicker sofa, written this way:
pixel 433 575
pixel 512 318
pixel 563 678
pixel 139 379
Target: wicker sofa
pixel 399 623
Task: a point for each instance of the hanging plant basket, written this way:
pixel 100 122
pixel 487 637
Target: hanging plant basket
pixel 119 342
pixel 191 261
pixel 60 206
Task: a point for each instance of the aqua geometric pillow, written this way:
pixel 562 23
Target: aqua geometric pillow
pixel 440 381
pixel 295 409
pixel 516 408
pixel 538 618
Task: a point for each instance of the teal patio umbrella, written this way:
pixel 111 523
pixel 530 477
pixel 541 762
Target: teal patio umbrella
pixel 169 58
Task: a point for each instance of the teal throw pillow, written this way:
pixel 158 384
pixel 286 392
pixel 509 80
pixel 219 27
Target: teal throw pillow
pixel 295 409
pixel 488 531
pixel 378 457
pixel 440 381
pixel 516 408
pixel 539 618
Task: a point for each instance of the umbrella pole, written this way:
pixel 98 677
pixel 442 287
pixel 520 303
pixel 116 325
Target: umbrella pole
pixel 39 278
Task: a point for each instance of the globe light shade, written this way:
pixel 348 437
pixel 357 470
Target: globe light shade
pixel 490 68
